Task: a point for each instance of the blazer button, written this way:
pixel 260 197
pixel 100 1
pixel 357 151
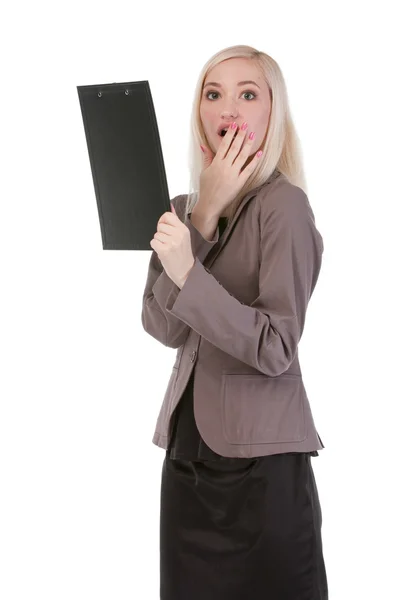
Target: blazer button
pixel 193 356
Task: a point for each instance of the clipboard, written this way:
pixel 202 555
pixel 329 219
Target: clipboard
pixel 126 162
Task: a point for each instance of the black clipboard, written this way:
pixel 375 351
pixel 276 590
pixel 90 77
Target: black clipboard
pixel 126 161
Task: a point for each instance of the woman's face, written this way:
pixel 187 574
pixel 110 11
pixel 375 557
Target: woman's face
pixel 225 98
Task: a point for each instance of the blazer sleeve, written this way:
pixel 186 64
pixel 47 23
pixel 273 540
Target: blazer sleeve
pixel 161 292
pixel 265 334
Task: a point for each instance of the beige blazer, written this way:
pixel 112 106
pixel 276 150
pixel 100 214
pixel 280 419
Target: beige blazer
pixel 238 320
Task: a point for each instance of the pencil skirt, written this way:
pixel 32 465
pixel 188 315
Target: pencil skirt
pixel 241 529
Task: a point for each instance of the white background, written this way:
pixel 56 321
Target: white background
pixel 82 383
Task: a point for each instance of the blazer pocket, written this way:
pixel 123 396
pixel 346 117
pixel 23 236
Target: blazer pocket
pixel 258 409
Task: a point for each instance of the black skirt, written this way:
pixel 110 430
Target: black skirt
pixel 249 530
pixel 238 528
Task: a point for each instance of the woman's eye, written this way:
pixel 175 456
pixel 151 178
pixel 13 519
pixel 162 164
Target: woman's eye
pixel 251 93
pixel 217 93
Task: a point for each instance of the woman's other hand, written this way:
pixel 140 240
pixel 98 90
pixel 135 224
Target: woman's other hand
pixel 173 246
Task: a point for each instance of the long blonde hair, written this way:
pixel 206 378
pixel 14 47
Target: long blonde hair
pixel 281 148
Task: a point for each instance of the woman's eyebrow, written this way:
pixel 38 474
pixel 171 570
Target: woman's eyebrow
pixel 215 84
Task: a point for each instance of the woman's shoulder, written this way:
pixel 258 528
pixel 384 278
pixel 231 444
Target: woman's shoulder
pixel 281 197
pixel 285 206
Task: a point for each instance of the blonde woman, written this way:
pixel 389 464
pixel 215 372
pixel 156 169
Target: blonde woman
pixel 233 267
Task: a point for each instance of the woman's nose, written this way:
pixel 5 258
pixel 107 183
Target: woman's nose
pixel 229 113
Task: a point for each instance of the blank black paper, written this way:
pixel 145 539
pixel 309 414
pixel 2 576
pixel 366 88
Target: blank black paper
pixel 126 161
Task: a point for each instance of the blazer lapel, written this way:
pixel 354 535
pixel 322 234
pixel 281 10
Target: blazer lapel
pixel 216 249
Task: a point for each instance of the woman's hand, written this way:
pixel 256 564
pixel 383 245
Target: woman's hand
pixel 222 177
pixel 173 246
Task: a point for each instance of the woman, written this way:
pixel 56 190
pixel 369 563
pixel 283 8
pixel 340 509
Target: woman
pixel 240 513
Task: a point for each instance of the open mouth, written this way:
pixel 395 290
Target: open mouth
pixel 223 132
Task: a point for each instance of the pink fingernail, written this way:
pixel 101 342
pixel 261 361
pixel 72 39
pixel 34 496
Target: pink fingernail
pixel 259 153
pixel 233 126
pixel 251 136
pixel 203 150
